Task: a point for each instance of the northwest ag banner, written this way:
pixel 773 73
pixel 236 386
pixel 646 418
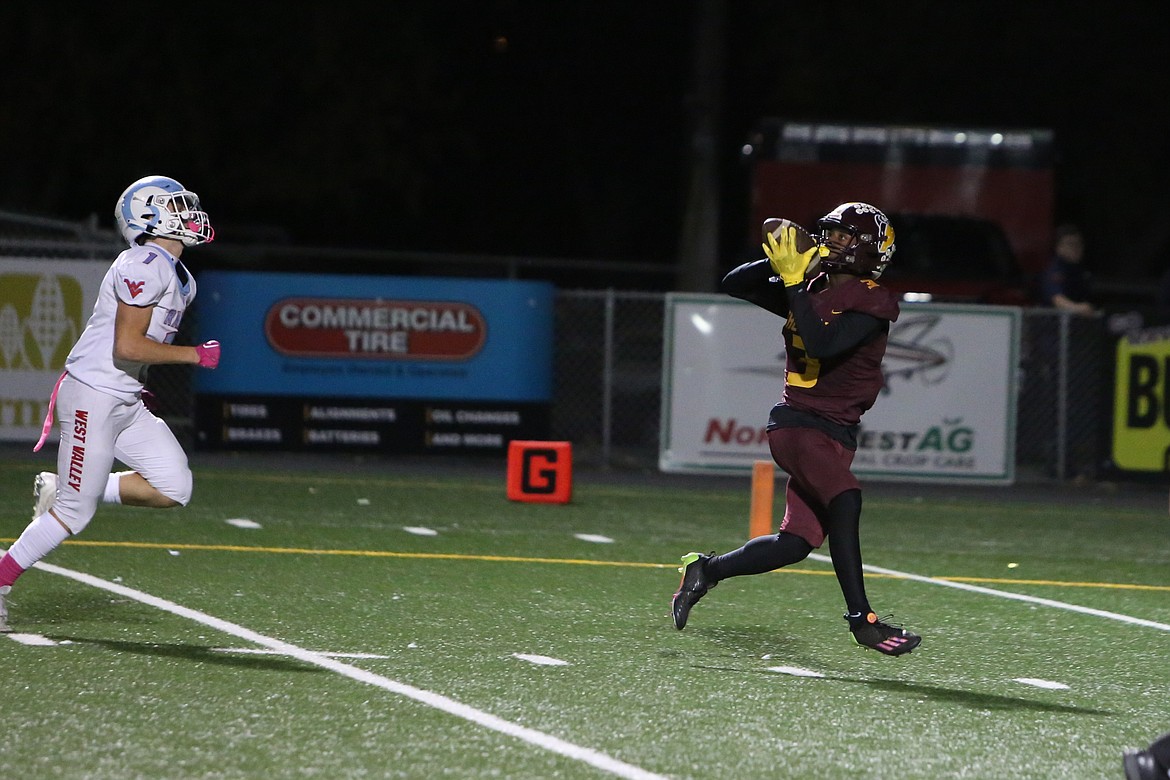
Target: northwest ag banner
pixel 948 411
pixel 44 305
pixel 1141 407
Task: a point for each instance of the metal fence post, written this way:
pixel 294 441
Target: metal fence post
pixel 607 379
pixel 1062 395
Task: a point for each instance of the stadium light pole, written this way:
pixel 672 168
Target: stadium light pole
pixel 698 246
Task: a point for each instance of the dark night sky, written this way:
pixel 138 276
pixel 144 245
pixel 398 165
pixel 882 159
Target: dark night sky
pixel 409 126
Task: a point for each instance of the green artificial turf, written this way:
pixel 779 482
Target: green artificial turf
pixel 764 682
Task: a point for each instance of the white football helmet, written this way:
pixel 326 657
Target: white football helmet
pixel 158 206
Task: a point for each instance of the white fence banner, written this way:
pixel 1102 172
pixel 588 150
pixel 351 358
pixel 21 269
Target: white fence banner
pixel 44 304
pixel 947 413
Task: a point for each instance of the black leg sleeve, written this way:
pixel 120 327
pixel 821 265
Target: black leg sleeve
pixel 844 518
pixel 764 553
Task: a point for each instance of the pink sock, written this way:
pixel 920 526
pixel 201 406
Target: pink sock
pixel 9 570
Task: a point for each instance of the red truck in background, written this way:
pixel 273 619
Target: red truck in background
pixel 972 209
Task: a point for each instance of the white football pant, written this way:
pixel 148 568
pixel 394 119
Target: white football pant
pixel 96 428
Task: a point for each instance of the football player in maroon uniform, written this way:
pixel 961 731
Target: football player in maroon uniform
pixel 837 320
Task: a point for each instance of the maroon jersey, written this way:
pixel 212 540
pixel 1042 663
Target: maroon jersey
pixel 839 388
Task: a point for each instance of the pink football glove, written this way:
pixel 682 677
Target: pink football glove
pixel 208 354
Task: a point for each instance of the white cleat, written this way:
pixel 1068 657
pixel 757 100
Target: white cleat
pixel 45 493
pixel 4 609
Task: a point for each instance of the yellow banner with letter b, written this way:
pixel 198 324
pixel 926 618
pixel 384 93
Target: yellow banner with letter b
pixel 1141 415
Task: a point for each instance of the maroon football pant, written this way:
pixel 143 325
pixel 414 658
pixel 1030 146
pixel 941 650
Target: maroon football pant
pixel 818 468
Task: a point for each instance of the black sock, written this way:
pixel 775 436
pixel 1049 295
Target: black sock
pixel 764 553
pixel 844 517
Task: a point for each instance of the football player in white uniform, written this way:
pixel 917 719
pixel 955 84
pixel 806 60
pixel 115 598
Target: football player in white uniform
pixel 99 397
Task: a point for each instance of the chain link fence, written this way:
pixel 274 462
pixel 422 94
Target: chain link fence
pixel 1064 410
pixel 608 376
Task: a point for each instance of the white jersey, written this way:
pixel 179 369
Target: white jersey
pixel 144 276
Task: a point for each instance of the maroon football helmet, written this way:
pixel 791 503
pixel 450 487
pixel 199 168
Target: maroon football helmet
pixel 860 240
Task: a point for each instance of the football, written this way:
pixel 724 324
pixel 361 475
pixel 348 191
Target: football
pixel 774 225
pixel 804 241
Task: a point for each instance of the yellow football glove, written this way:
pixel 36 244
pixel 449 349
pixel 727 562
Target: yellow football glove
pixel 789 264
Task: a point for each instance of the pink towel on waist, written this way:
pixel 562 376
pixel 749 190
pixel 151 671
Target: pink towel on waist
pixel 48 426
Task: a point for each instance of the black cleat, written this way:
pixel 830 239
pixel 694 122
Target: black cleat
pixel 694 586
pixel 870 632
pixel 1141 765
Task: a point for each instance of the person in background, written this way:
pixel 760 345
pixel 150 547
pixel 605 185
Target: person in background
pixel 98 399
pixel 1064 284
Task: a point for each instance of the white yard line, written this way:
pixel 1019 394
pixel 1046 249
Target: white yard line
pixel 1051 685
pixel 540 660
pixel 438 701
pixel 259 651
pixel 1003 594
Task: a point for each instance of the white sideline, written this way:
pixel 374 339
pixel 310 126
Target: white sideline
pixel 1003 594
pixel 438 701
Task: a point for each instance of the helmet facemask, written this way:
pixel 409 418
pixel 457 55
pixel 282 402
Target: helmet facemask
pixel 178 215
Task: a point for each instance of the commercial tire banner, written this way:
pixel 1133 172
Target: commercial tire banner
pixel 1141 407
pixel 947 412
pixel 404 364
pixel 44 305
